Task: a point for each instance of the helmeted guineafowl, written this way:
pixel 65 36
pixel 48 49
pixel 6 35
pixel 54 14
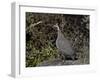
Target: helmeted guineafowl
pixel 64 45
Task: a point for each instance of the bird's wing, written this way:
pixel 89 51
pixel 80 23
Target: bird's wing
pixel 63 44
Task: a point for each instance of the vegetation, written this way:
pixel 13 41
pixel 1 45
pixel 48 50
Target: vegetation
pixel 41 39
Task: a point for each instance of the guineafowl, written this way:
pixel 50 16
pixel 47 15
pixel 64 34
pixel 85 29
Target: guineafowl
pixel 64 45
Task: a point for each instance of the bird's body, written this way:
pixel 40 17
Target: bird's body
pixel 63 45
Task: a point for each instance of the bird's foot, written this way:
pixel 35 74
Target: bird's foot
pixel 74 57
pixel 63 62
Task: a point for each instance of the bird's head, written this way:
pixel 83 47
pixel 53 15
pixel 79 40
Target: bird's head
pixel 56 26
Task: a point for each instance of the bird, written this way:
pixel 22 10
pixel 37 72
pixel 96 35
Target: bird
pixel 63 45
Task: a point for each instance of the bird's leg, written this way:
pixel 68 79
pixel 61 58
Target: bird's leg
pixel 62 56
pixel 74 57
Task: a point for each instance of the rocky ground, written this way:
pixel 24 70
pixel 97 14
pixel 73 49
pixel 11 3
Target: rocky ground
pixel 57 62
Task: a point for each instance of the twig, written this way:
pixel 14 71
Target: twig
pixel 32 25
